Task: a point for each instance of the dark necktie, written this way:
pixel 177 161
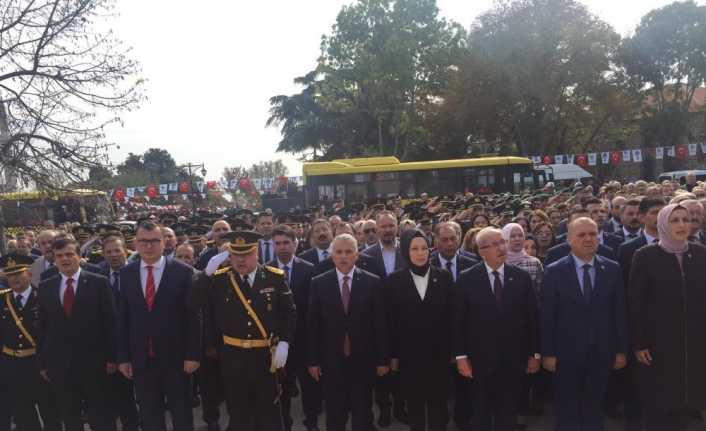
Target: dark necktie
pixel 587 287
pixel 449 267
pixel 498 289
pixel 345 298
pixel 267 251
pixel 324 255
pixel 632 235
pixel 286 273
pixel 115 285
pixel 69 297
pixel 243 281
pixel 18 302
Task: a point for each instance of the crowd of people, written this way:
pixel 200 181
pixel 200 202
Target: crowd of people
pixel 472 310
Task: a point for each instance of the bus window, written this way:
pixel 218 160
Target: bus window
pixel 516 182
pixel 326 193
pixel 356 192
pixel 387 188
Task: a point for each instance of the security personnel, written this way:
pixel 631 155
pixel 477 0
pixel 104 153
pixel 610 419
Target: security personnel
pixel 250 323
pixel 21 387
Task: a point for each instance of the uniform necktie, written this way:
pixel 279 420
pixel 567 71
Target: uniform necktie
pixel 345 298
pixel 449 267
pixel 587 287
pixel 18 302
pixel 498 289
pixel 149 299
pixel 69 296
pixel 286 273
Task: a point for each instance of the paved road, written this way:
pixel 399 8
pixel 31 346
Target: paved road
pixel 543 423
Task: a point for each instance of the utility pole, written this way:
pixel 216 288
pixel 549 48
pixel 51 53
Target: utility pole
pixel 191 168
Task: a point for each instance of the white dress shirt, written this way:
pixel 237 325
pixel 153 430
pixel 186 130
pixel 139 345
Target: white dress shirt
pixel 24 296
pixel 421 282
pixel 650 239
pixel 62 286
pixel 321 253
pixel 350 279
pixel 290 266
pixel 627 234
pixel 388 257
pixel 157 271
pixel 250 278
pixel 491 277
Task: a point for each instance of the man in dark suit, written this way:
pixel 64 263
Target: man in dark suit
pixel 218 230
pixel 364 262
pixel 564 249
pixel 264 225
pixel 347 337
pixel 297 273
pixel 122 393
pixel 630 219
pixel 53 271
pixel 613 224
pixel 386 255
pixel 696 212
pixel 159 331
pixel 321 235
pixel 584 333
pixel 623 387
pixel 597 212
pixel 495 333
pixel 77 346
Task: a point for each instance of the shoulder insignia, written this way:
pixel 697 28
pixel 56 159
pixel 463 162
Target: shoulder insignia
pixel 4 291
pixel 222 270
pixel 274 270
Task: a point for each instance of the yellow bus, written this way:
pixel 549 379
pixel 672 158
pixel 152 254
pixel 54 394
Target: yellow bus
pixel 362 179
pixel 37 207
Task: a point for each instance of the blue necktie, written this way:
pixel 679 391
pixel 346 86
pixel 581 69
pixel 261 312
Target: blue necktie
pixel 587 287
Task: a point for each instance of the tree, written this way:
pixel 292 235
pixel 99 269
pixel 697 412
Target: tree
pixel 383 63
pixel 62 80
pixel 268 169
pixel 664 62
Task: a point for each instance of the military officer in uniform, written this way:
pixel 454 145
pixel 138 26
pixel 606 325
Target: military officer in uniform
pixel 21 387
pixel 250 322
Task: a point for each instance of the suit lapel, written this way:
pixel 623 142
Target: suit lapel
pixel 164 282
pixel 570 268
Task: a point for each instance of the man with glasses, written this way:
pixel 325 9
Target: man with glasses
pixel 495 333
pixel 160 329
pixel 370 233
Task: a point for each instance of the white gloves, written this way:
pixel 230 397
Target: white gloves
pixel 281 352
pixel 215 262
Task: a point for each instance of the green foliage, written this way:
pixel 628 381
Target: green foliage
pixel 264 169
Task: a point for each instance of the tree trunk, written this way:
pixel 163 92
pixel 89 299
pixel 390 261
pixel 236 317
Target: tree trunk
pixel 4 138
pixel 381 150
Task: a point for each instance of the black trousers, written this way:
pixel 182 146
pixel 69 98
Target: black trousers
pixel 251 390
pixel 463 405
pixel 657 418
pixel 495 399
pixel 348 390
pixel 89 385
pixel 426 391
pixel 153 385
pixel 122 400
pixel 310 391
pixel 580 394
pixel 211 388
pixel 22 388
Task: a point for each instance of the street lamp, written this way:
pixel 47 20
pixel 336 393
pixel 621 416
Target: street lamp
pixel 189 167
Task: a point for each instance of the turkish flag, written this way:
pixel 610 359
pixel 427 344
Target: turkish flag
pixel 119 194
pixel 211 185
pixel 183 187
pixel 581 160
pixel 152 191
pixel 244 184
pixel 547 160
pixel 681 151
pixel 615 157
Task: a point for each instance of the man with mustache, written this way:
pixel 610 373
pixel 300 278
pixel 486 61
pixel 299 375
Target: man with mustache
pixel 630 219
pixel 219 229
pixel 321 236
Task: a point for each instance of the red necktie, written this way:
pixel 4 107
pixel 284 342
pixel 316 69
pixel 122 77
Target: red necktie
pixel 69 297
pixel 346 297
pixel 149 299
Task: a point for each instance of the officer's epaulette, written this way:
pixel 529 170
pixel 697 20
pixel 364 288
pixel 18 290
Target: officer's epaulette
pixel 274 270
pixel 222 270
pixel 4 291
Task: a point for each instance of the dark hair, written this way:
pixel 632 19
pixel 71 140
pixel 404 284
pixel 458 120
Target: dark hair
pixel 64 241
pixel 591 201
pixel 148 226
pixel 284 230
pixel 646 204
pixel 113 238
pixel 630 203
pixel 263 214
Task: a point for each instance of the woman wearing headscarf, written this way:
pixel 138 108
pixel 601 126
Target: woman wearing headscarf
pixel 535 384
pixel 420 328
pixel 667 313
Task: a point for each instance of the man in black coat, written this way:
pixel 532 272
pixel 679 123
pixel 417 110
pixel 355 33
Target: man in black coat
pixel 159 331
pixel 347 337
pixel 297 273
pixel 564 249
pixel 495 333
pixel 53 271
pixel 648 210
pixel 77 347
pixel 321 235
pixel 598 213
pixel 218 230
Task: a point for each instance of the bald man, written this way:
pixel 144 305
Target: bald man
pixel 584 334
pixel 218 230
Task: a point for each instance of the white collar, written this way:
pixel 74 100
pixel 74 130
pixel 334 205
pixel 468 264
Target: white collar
pixel 650 239
pixel 155 266
pixel 349 274
pixel 443 260
pixel 501 269
pixel 73 277
pixel 24 295
pixel 290 264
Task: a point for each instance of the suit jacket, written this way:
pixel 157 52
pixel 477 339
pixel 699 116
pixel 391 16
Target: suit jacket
pixel 311 255
pixel 413 319
pixel 490 336
pixel 174 323
pixel 375 251
pixel 568 322
pixel 364 262
pixel 300 276
pixel 365 323
pixel 205 257
pixel 36 270
pixel 612 241
pixel 564 249
pixel 84 342
pixel 53 270
pixel 462 263
pixel 625 254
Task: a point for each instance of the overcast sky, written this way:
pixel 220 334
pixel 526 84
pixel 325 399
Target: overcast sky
pixel 213 65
